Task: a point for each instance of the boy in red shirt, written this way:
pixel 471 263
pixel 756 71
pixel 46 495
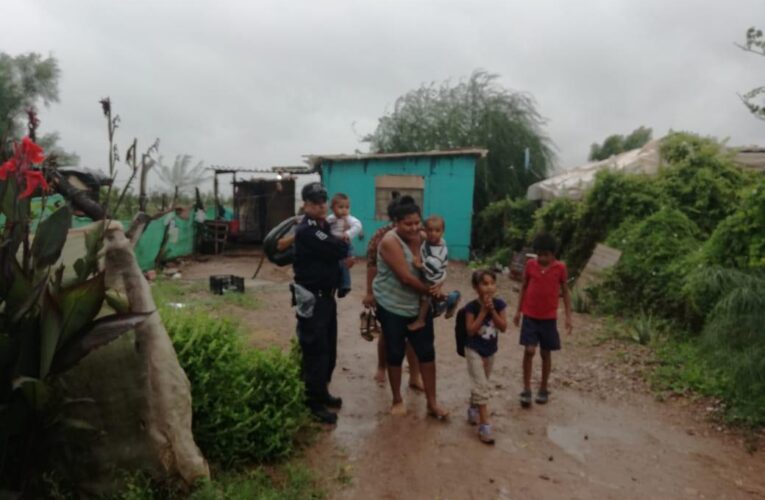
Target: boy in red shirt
pixel 543 280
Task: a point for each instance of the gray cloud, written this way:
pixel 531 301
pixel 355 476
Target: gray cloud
pixel 261 83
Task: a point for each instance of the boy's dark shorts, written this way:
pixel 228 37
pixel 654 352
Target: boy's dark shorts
pixel 542 332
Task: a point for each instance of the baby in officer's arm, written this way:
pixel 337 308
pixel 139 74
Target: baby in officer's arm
pixel 346 227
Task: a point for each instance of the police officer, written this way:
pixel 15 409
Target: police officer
pixel 317 254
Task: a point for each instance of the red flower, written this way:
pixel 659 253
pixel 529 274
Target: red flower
pixel 8 167
pixel 32 151
pixel 34 180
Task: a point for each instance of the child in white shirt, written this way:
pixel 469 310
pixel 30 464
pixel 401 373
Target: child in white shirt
pixel 345 226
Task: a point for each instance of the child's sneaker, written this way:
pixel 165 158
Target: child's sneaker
pixel 472 415
pixel 526 399
pixel 484 434
pixel 452 302
pixel 542 397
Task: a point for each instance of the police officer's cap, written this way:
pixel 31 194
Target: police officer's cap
pixel 314 192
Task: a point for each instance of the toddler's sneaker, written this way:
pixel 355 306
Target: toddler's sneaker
pixel 484 434
pixel 472 415
pixel 452 301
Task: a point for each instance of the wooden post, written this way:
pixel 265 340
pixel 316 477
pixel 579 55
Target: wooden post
pixel 215 195
pixel 143 200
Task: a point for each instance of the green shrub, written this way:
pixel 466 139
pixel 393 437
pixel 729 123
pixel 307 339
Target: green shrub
pixel 645 328
pixel 614 198
pixel 580 301
pixel 653 267
pixel 739 240
pixel 558 218
pixel 683 368
pixel 700 178
pixel 248 404
pixel 733 339
pixel 504 223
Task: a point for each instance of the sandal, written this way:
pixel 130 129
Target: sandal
pixel 365 329
pixel 542 397
pixel 441 417
pixel 526 399
pixel 375 328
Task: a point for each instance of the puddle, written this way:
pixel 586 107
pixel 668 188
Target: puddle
pixel 570 440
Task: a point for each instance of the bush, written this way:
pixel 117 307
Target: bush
pixel 732 346
pixel 734 338
pixel 614 198
pixel 248 405
pixel 700 178
pixel 558 218
pixel 652 270
pixel 739 240
pixel 504 223
pixel 683 367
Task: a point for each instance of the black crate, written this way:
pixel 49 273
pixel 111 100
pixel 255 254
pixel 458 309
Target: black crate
pixel 226 283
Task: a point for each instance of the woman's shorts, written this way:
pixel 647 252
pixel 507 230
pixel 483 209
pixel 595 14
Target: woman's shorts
pixel 396 333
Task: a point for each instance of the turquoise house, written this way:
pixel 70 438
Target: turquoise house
pixel 441 182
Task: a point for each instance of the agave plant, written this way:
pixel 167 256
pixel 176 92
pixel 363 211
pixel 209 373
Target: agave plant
pixel 48 322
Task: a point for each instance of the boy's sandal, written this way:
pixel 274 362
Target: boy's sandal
pixel 366 334
pixel 542 397
pixel 526 399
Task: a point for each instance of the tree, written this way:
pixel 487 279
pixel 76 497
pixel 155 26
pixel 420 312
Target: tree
pixel 755 43
pixel 615 144
pixel 477 112
pixel 26 81
pixel 181 174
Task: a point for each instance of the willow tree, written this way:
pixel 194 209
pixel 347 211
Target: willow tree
pixel 477 112
pixel 754 99
pixel 26 82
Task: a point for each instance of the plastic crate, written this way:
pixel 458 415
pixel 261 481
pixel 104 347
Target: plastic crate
pixel 221 283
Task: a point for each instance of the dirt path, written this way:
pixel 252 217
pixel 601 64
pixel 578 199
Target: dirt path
pixel 602 435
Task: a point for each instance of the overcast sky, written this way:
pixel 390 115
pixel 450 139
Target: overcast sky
pixel 261 83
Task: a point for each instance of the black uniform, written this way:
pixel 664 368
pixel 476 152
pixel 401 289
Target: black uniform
pixel 317 253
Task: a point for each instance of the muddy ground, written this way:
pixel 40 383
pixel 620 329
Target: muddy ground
pixel 603 435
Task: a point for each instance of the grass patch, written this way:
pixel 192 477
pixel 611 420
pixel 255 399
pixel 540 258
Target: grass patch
pixel 683 369
pixel 293 481
pixel 197 295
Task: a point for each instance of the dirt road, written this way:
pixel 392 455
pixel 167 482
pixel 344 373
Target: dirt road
pixel 603 435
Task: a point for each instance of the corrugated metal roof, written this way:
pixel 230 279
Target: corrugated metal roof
pixel 315 160
pixel 752 157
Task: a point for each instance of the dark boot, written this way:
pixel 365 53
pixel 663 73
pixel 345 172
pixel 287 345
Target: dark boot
pixel 321 414
pixel 332 402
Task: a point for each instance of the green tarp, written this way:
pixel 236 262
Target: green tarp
pixel 180 241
